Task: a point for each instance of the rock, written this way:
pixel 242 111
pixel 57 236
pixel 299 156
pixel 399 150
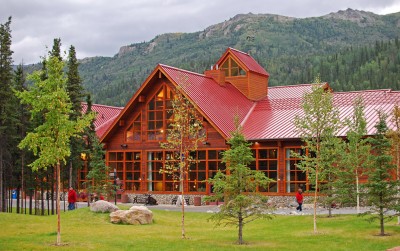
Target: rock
pixel 102 206
pixel 136 215
pixel 294 213
pixel 394 249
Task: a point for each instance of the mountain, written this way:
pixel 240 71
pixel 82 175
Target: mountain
pixel 290 49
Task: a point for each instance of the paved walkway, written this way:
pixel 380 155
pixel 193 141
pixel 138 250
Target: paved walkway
pixel 307 209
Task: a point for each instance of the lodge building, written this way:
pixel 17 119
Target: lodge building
pixel 236 85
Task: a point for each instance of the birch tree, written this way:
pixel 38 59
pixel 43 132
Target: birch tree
pixel 355 156
pixel 50 140
pixel 184 133
pixel 318 127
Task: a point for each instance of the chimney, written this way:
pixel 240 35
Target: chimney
pixel 217 74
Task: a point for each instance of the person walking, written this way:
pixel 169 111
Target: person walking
pixel 299 199
pixel 72 198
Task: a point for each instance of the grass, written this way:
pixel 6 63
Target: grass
pixel 85 230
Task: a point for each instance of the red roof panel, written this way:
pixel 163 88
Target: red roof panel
pixel 273 117
pixel 104 118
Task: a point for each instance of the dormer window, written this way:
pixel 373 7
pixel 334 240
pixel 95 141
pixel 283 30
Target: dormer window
pixel 232 69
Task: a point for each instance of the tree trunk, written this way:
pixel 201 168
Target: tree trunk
pixel 42 195
pixel 17 194
pixel 183 207
pixel 358 192
pixel 23 197
pixel 48 195
pixel 30 202
pixel 2 197
pixel 58 206
pixel 52 190
pixel 315 200
pixel 240 232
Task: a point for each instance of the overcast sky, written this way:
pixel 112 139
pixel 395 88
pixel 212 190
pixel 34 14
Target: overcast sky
pixel 101 27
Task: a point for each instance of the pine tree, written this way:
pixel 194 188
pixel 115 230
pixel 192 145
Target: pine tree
pixel 242 203
pixel 6 110
pixel 98 170
pixel 381 185
pixel 75 93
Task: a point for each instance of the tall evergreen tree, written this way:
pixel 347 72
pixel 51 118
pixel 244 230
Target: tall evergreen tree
pixel 22 126
pixel 94 154
pixel 242 203
pixel 381 185
pixel 75 93
pixel 6 109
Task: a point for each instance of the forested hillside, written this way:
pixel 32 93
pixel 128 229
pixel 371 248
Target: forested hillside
pixel 349 49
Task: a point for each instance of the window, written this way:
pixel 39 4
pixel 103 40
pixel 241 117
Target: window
pixel 232 69
pixel 155 177
pixel 295 177
pixel 158 113
pixel 134 131
pixel 267 162
pixel 116 164
pixel 133 171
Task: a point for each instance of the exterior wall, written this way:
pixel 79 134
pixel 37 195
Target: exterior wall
pixel 241 83
pixel 258 86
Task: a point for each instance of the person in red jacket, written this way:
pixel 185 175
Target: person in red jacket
pixel 72 198
pixel 299 199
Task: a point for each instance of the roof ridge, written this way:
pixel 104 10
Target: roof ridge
pixel 284 86
pixel 362 91
pixel 179 69
pixel 109 106
pixel 239 51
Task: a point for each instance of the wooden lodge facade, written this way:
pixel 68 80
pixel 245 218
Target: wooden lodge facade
pixel 236 84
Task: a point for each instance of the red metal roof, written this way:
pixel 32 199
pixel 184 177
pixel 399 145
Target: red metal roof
pixel 218 103
pixel 273 117
pixel 267 119
pixel 105 116
pixel 246 60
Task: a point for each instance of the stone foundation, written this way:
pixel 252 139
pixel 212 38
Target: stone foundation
pixel 277 201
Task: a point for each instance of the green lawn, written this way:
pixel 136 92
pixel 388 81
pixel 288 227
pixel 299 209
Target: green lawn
pixel 84 230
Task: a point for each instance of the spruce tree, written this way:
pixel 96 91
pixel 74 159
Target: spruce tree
pixel 98 170
pixel 238 188
pixel 75 93
pixel 6 110
pixel 381 185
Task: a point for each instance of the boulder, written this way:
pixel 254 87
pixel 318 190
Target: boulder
pixel 136 215
pixel 102 206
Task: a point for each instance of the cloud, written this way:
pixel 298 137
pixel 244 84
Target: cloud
pixel 101 27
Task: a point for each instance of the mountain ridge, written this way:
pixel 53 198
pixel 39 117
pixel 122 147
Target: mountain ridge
pixel 279 43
